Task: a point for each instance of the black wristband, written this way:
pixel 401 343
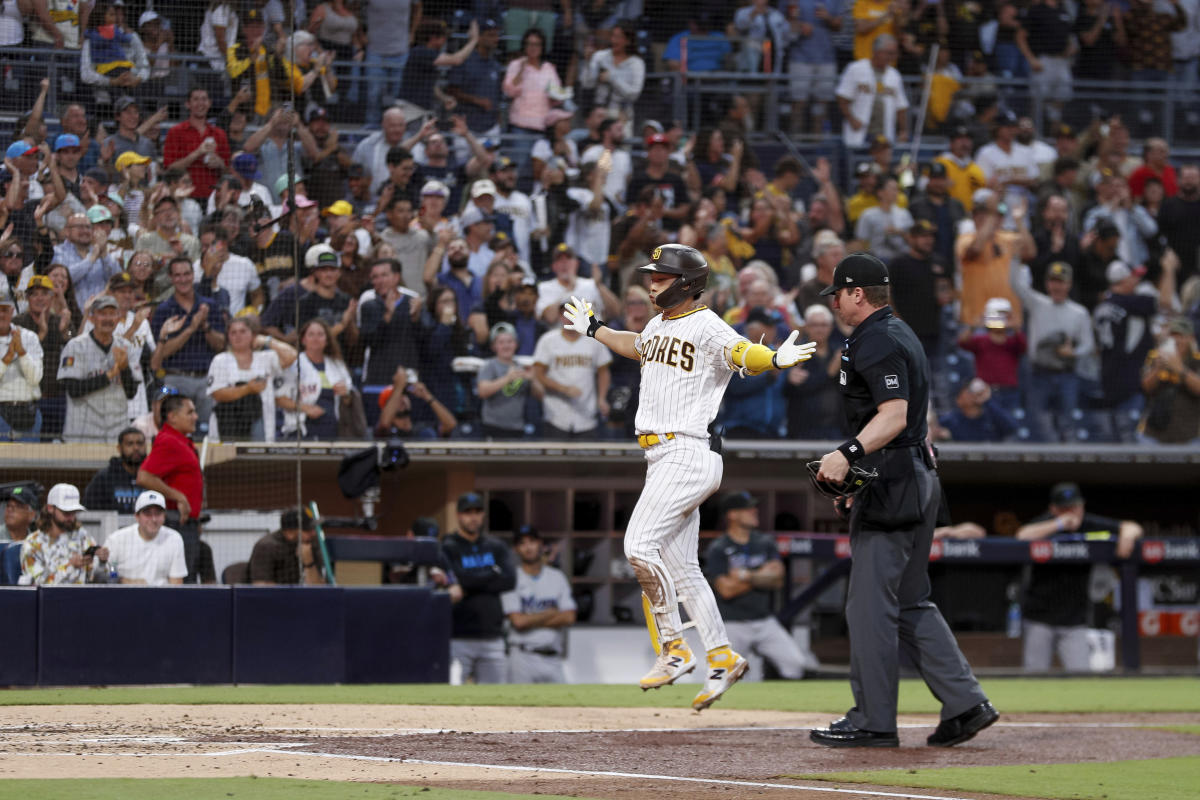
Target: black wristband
pixel 852 449
pixel 593 326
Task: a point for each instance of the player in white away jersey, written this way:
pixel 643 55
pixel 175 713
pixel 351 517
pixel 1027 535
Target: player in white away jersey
pixel 688 355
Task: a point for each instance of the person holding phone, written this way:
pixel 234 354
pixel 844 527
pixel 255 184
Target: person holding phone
pixel 61 552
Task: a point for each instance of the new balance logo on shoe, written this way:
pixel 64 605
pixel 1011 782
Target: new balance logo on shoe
pixel 717 674
pixel 675 661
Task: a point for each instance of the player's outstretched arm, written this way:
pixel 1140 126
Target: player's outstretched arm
pixel 758 358
pixel 579 316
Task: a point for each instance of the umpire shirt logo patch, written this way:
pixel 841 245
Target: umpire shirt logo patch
pixel 891 381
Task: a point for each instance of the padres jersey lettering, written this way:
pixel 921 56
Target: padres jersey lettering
pixel 685 369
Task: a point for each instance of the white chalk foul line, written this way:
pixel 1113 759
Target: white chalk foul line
pixel 612 774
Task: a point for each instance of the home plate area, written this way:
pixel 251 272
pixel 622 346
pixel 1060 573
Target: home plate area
pixel 626 753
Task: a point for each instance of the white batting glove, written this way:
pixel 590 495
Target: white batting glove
pixel 789 354
pixel 580 317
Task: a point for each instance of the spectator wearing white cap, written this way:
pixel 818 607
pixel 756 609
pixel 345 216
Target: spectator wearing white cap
pixel 147 552
pixel 431 209
pixel 998 349
pixel 60 552
pixel 477 228
pixel 20 376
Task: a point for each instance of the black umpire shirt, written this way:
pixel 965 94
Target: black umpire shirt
pixel 1058 593
pixel 484 568
pixel 883 360
pixel 725 555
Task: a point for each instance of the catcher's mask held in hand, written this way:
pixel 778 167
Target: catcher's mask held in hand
pixel 855 481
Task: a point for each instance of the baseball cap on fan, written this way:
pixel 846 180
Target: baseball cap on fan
pixel 1118 271
pixel 855 270
pixel 149 500
pixel 64 497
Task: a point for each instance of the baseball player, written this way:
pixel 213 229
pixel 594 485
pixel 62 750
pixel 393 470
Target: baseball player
pixel 688 354
pixel 539 609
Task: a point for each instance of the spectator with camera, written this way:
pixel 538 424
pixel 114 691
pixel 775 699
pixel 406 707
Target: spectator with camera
pixel 976 416
pixel 20 376
pixel 147 552
pixel 289 556
pixel 61 552
pixel 1060 337
pixel 115 488
pixel 408 410
pixel 986 253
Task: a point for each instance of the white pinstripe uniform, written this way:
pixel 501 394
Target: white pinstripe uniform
pixel 685 369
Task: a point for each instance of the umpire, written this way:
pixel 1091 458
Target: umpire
pixel 885 388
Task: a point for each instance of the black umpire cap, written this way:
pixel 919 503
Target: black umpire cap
pixel 857 269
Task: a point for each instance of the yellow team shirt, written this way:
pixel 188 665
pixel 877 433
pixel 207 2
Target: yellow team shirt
pixel 860 202
pixel 870 10
pixel 963 180
pixel 987 276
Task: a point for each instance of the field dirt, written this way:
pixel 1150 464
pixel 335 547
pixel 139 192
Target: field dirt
pixel 632 754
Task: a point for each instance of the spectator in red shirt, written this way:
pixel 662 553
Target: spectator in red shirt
pixel 1155 153
pixel 198 146
pixel 997 350
pixel 173 470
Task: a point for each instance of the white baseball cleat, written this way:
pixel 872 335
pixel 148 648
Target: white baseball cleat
pixel 725 668
pixel 675 661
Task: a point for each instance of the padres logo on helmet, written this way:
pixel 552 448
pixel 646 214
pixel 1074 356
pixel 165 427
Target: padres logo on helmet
pixel 681 260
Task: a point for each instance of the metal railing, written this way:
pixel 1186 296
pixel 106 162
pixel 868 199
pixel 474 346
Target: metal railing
pixel 1169 109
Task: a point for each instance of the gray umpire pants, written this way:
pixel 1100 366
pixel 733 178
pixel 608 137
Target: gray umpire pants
pixel 888 608
pixel 482 659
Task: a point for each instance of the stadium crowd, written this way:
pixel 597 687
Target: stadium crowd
pixel 239 243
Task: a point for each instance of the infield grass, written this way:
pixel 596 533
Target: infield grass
pixel 1015 695
pixel 224 788
pixel 1157 779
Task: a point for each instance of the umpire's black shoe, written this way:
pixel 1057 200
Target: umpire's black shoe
pixel 957 730
pixel 843 734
